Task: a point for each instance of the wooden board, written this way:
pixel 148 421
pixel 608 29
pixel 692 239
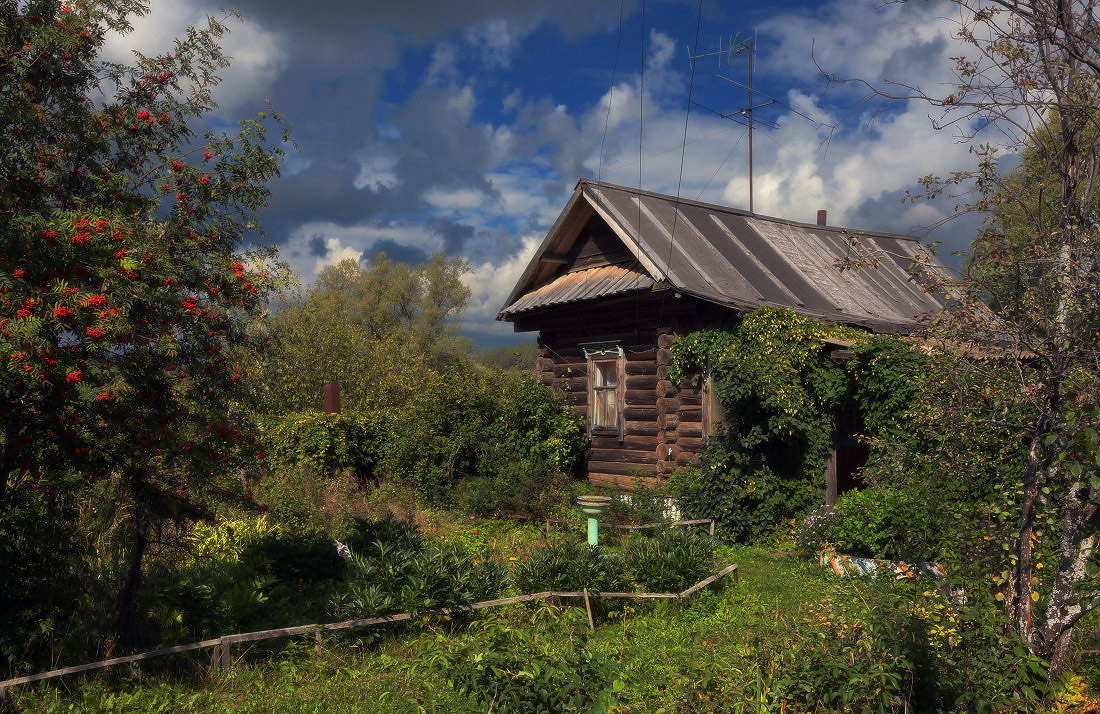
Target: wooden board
pixel 647 382
pixel 640 413
pixel 635 442
pixel 620 468
pixel 629 456
pixel 620 481
pixel 642 428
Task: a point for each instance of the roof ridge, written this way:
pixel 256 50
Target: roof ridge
pixel 741 211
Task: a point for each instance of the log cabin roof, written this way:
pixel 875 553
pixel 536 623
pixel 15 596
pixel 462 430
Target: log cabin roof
pixel 721 255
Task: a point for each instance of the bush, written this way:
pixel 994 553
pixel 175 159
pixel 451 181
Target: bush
pixel 511 670
pixel 671 560
pixel 873 522
pixel 816 532
pixel 571 567
pixel 482 424
pixel 392 570
pixel 893 648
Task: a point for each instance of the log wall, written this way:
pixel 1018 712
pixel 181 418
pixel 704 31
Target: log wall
pixel 663 421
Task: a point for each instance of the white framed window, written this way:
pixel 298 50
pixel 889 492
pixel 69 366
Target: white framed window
pixel 605 389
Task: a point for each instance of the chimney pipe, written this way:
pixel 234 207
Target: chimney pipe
pixel 821 217
pixel 332 398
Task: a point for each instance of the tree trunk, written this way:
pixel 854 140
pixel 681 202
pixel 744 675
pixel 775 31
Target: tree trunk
pixel 124 629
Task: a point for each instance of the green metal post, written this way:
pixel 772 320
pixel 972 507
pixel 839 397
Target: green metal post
pixel 593 531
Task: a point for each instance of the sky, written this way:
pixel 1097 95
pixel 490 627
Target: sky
pixel 463 127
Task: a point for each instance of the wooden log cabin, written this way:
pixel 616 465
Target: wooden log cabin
pixel 623 272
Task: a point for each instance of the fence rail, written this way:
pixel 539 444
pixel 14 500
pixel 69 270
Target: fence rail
pixel 622 527
pixel 222 644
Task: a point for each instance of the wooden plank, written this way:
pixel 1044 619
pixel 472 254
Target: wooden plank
pixel 639 413
pixel 621 481
pixel 690 443
pixel 642 381
pixel 625 468
pixel 640 353
pixel 630 441
pixel 641 367
pixel 640 397
pixel 703 583
pixel 689 430
pixel 688 399
pixel 642 428
pixel 76 669
pixel 629 456
pixel 691 414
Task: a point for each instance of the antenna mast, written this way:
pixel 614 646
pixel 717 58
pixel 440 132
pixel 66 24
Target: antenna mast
pixel 745 116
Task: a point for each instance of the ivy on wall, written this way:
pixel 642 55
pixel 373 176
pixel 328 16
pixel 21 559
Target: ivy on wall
pixel 780 391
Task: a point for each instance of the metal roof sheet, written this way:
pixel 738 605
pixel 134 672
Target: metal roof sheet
pixel 743 260
pixel 581 285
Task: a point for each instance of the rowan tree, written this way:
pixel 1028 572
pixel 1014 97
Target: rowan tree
pixel 122 289
pixel 1023 328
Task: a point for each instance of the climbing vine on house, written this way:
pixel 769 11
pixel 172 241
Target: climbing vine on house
pixel 779 391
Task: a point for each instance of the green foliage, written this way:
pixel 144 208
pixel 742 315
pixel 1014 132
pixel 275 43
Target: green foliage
pixel 571 567
pixel 325 443
pixel 126 295
pixel 476 423
pixel 899 649
pixel 394 570
pixel 780 392
pixel 383 331
pixel 514 670
pixel 240 574
pixel 511 357
pixel 670 560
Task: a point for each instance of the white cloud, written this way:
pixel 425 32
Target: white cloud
pixel 257 56
pixel 336 243
pixel 376 173
pixel 490 284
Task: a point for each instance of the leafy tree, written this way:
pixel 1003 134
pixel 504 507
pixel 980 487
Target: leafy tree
pixel 374 329
pixel 518 357
pixel 1030 359
pixel 122 292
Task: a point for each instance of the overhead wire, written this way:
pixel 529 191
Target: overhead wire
pixel 680 178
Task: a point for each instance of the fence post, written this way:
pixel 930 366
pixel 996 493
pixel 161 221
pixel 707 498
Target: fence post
pixel 711 527
pixel 588 608
pixel 317 643
pixel 220 660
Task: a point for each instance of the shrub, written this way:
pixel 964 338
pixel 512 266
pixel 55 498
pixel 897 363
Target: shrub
pixel 392 570
pixel 482 423
pixel 670 560
pixel 367 536
pixel 571 567
pixel 512 670
pixel 816 531
pixel 875 522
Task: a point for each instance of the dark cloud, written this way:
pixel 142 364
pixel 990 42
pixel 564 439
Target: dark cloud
pixel 455 235
pixel 317 247
pixel 396 252
pixel 324 24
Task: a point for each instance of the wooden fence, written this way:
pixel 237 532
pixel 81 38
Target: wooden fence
pixel 638 527
pixel 221 657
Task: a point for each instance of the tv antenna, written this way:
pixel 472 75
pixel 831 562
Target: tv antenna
pixel 746 116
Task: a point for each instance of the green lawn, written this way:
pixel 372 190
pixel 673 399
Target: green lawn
pixel 723 652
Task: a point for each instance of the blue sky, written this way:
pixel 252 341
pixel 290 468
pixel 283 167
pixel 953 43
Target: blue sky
pixel 463 126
